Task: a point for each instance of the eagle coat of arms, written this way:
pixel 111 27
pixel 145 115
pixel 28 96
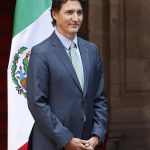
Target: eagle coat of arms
pixel 19 70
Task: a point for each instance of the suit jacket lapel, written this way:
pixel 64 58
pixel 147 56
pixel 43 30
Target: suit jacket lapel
pixel 63 56
pixel 85 62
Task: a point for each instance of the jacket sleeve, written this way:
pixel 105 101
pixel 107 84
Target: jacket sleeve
pixel 100 103
pixel 37 94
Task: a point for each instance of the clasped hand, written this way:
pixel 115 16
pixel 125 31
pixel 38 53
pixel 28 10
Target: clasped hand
pixel 78 144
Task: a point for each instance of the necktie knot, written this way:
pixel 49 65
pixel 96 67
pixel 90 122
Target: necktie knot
pixel 72 46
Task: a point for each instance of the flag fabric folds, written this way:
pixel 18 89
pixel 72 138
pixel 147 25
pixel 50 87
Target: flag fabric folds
pixel 32 24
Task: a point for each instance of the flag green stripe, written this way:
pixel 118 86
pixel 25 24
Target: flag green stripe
pixel 27 11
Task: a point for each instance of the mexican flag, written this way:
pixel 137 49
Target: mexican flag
pixel 32 24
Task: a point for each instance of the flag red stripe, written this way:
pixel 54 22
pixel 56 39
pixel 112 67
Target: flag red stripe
pixel 24 147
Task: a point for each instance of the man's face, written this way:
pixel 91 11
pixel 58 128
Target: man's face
pixel 69 18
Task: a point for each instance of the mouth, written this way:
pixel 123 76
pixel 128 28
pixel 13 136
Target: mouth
pixel 74 25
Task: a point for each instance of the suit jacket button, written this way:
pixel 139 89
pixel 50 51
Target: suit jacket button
pixel 84 118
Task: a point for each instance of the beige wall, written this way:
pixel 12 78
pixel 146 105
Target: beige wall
pixel 121 28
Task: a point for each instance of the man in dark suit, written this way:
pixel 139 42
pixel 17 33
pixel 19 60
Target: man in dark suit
pixel 65 86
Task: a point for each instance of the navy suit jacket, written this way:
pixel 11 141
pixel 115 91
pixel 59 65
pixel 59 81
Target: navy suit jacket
pixel 61 109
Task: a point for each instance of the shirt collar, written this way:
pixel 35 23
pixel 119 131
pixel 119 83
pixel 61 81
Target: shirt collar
pixel 65 41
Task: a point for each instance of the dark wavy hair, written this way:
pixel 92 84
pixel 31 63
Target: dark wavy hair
pixel 57 4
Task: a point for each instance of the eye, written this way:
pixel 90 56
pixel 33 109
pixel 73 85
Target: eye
pixel 69 12
pixel 79 12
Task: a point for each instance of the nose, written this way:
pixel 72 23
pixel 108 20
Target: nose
pixel 75 17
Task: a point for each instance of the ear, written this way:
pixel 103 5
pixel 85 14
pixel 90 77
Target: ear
pixel 54 14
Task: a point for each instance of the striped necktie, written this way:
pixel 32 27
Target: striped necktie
pixel 76 63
